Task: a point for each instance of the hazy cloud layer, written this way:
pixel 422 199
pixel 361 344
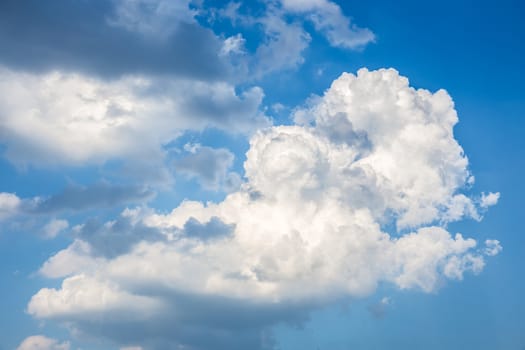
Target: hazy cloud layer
pixel 306 228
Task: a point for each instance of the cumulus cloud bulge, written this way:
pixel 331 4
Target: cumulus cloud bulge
pixel 211 175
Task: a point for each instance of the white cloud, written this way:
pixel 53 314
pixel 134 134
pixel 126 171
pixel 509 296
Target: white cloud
pixel 284 37
pixel 85 297
pixel 460 206
pixel 456 266
pixel 328 19
pixel 283 45
pixel 66 118
pixel 77 257
pixel 489 199
pixel 403 145
pixel 492 247
pixel 233 45
pixel 306 227
pixel 54 227
pixel 9 205
pixel 40 342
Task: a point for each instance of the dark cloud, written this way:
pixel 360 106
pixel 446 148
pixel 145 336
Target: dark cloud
pixel 226 108
pixel 77 35
pixel 77 198
pixel 214 228
pixel 115 238
pixel 343 131
pixel 209 165
pixel 199 322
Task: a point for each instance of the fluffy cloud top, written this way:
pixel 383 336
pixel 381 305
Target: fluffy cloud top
pixel 309 225
pixel 404 152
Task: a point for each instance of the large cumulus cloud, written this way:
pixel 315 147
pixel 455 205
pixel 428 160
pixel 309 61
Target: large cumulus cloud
pixel 357 193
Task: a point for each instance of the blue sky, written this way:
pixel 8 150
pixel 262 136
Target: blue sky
pixel 203 175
